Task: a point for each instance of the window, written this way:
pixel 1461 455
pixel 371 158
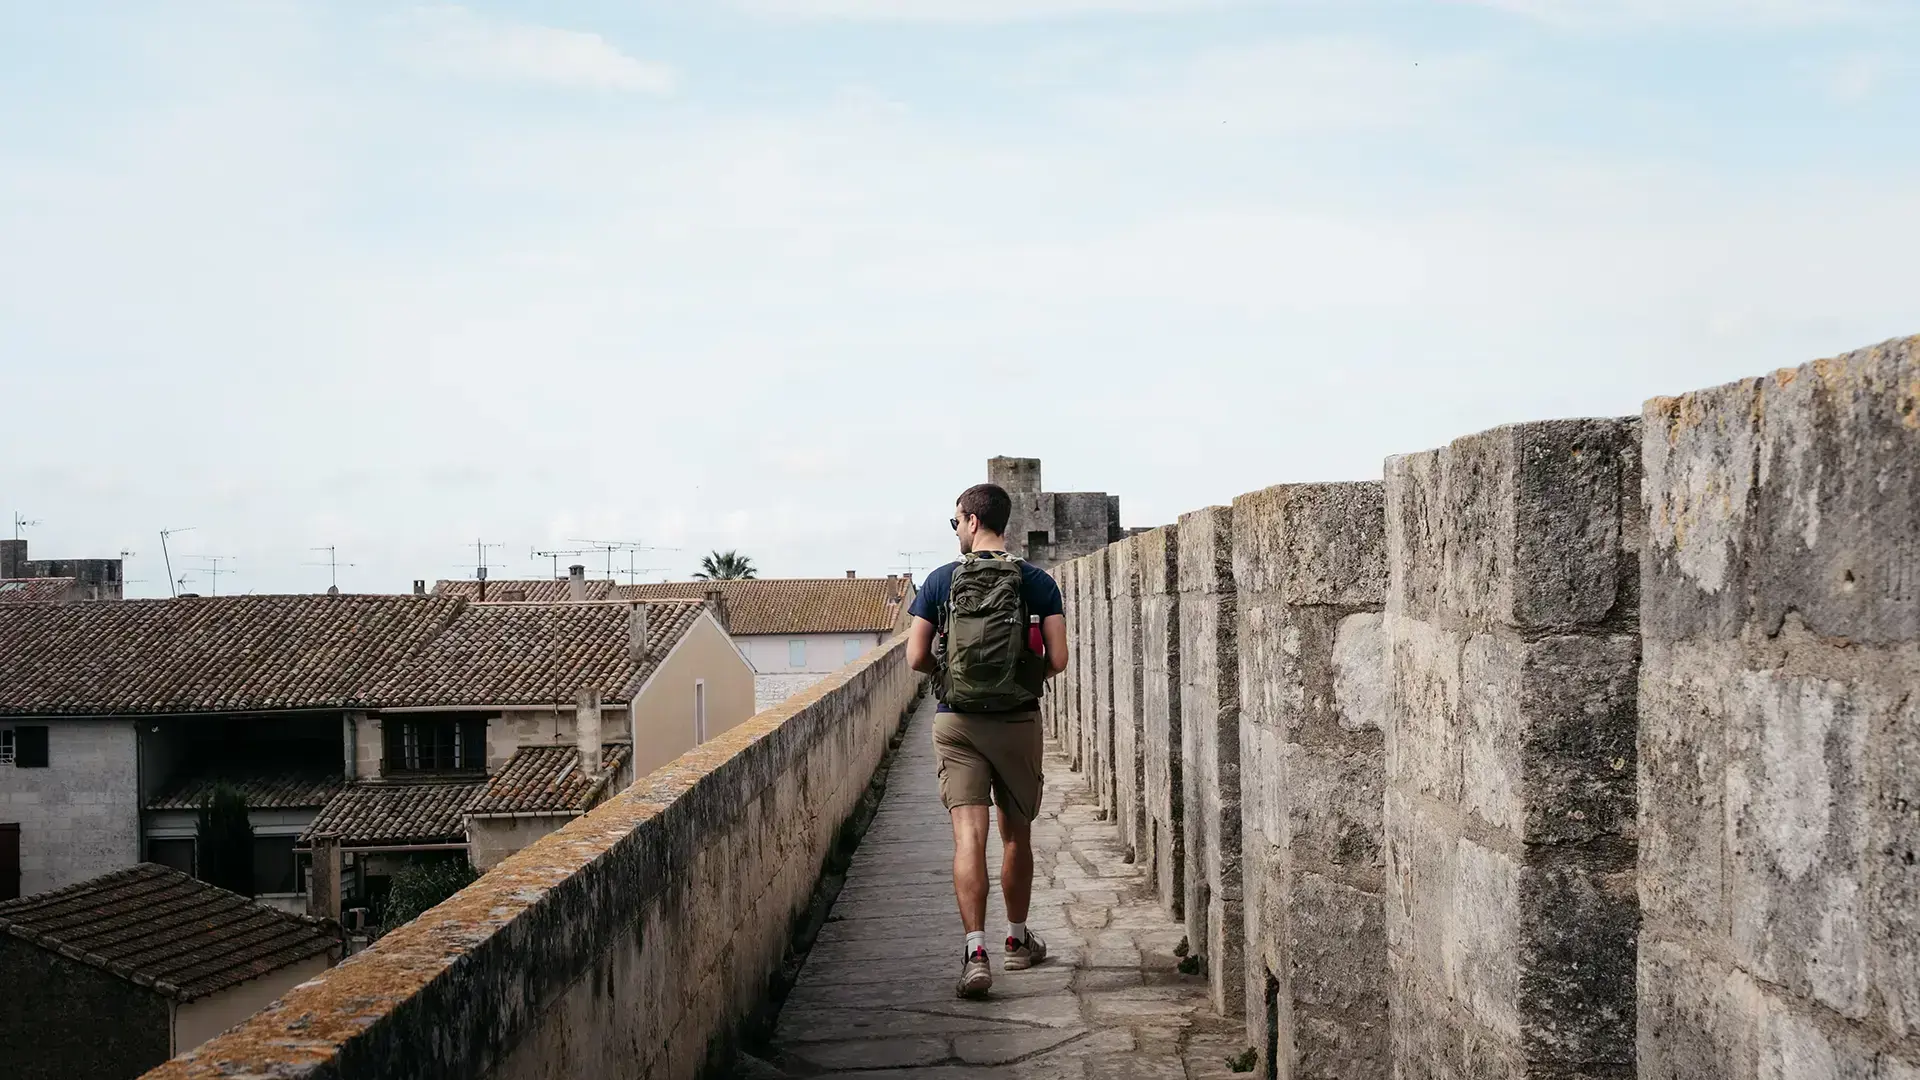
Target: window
pixel 699 711
pixel 273 869
pixel 435 744
pixel 854 648
pixel 24 747
pixel 1036 540
pixel 797 653
pixel 175 852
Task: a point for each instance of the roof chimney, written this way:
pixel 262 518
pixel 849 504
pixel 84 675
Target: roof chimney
pixel 576 583
pixel 333 590
pixel 513 596
pixel 419 587
pixel 850 573
pixel 586 728
pixel 637 634
pixel 717 603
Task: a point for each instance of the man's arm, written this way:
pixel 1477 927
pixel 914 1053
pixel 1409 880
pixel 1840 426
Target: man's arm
pixel 1053 631
pixel 920 645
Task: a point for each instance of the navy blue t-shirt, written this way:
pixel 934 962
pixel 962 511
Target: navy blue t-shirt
pixel 1037 587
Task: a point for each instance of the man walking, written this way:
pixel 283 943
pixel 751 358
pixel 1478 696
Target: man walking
pixel 989 628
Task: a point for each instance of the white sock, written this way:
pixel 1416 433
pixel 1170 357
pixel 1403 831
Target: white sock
pixel 976 939
pixel 1017 931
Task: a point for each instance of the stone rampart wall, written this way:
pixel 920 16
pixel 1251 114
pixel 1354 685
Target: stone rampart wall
pixel 631 943
pixel 1574 749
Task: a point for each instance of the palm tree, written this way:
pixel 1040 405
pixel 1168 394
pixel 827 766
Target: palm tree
pixel 725 566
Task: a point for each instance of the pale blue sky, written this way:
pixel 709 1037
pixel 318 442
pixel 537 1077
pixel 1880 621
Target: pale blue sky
pixel 781 274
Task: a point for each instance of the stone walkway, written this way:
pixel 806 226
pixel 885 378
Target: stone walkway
pixel 876 998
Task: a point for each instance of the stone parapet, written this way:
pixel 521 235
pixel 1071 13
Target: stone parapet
pixel 1779 759
pixel 630 943
pixel 1310 573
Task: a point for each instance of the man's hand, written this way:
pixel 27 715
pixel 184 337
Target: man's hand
pixel 920 646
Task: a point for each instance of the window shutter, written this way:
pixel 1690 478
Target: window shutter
pixel 30 747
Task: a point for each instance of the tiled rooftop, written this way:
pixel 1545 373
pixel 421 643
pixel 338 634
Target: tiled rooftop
pixel 277 790
pixel 51 590
pixel 394 813
pixel 159 928
pixel 212 654
pixel 534 654
pixel 532 590
pixel 547 779
pixel 793 605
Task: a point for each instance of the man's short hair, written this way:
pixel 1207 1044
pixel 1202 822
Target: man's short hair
pixel 990 503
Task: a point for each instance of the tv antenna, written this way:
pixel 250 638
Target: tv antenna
pixel 633 572
pixel 212 569
pixel 911 557
pixel 333 565
pixel 174 584
pixel 556 556
pixel 20 522
pixel 480 564
pixel 631 547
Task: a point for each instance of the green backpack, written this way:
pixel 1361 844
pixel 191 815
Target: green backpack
pixel 988 666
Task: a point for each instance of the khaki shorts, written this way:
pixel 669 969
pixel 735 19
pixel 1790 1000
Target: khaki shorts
pixel 990 760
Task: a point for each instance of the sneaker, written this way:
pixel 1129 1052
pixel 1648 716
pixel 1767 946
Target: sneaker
pixel 976 976
pixel 1022 955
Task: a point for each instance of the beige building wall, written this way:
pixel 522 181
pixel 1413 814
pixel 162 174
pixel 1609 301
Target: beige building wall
pixel 511 730
pixel 490 840
pixel 664 715
pixel 203 1018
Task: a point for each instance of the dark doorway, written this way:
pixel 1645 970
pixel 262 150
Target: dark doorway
pixel 9 861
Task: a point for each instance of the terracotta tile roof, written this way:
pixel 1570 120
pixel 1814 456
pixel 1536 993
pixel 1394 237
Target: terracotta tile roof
pixel 534 654
pixel 392 813
pixel 538 590
pixel 207 654
pixel 794 605
pixel 541 779
pixel 46 590
pixel 159 928
pixel 280 790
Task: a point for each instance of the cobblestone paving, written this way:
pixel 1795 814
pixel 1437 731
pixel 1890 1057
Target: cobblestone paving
pixel 876 997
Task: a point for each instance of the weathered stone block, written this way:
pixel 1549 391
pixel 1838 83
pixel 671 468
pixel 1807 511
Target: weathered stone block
pixel 1798 492
pixel 1423 738
pixel 1163 763
pixel 1312 544
pixel 1702 1017
pixel 1106 772
pixel 1128 673
pixel 1334 798
pixel 1210 743
pixel 1797 810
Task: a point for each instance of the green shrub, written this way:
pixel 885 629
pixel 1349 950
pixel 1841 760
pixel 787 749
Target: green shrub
pixel 421 884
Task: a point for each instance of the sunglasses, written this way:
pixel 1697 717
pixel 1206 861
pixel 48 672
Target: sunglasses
pixel 954 524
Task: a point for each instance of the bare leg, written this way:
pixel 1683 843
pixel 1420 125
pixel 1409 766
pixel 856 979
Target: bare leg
pixel 1016 865
pixel 970 865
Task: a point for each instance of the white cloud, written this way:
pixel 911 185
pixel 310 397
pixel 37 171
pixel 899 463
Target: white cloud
pixel 453 40
pixel 973 11
pixel 1598 13
pixel 1296 86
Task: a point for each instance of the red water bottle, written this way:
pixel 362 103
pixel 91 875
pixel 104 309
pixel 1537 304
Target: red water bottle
pixel 1034 641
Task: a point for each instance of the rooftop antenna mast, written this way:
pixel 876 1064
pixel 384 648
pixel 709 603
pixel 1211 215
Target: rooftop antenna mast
pixel 333 565
pixel 911 556
pixel 212 569
pixel 173 583
pixel 557 555
pixel 480 564
pixel 20 522
pixel 611 546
